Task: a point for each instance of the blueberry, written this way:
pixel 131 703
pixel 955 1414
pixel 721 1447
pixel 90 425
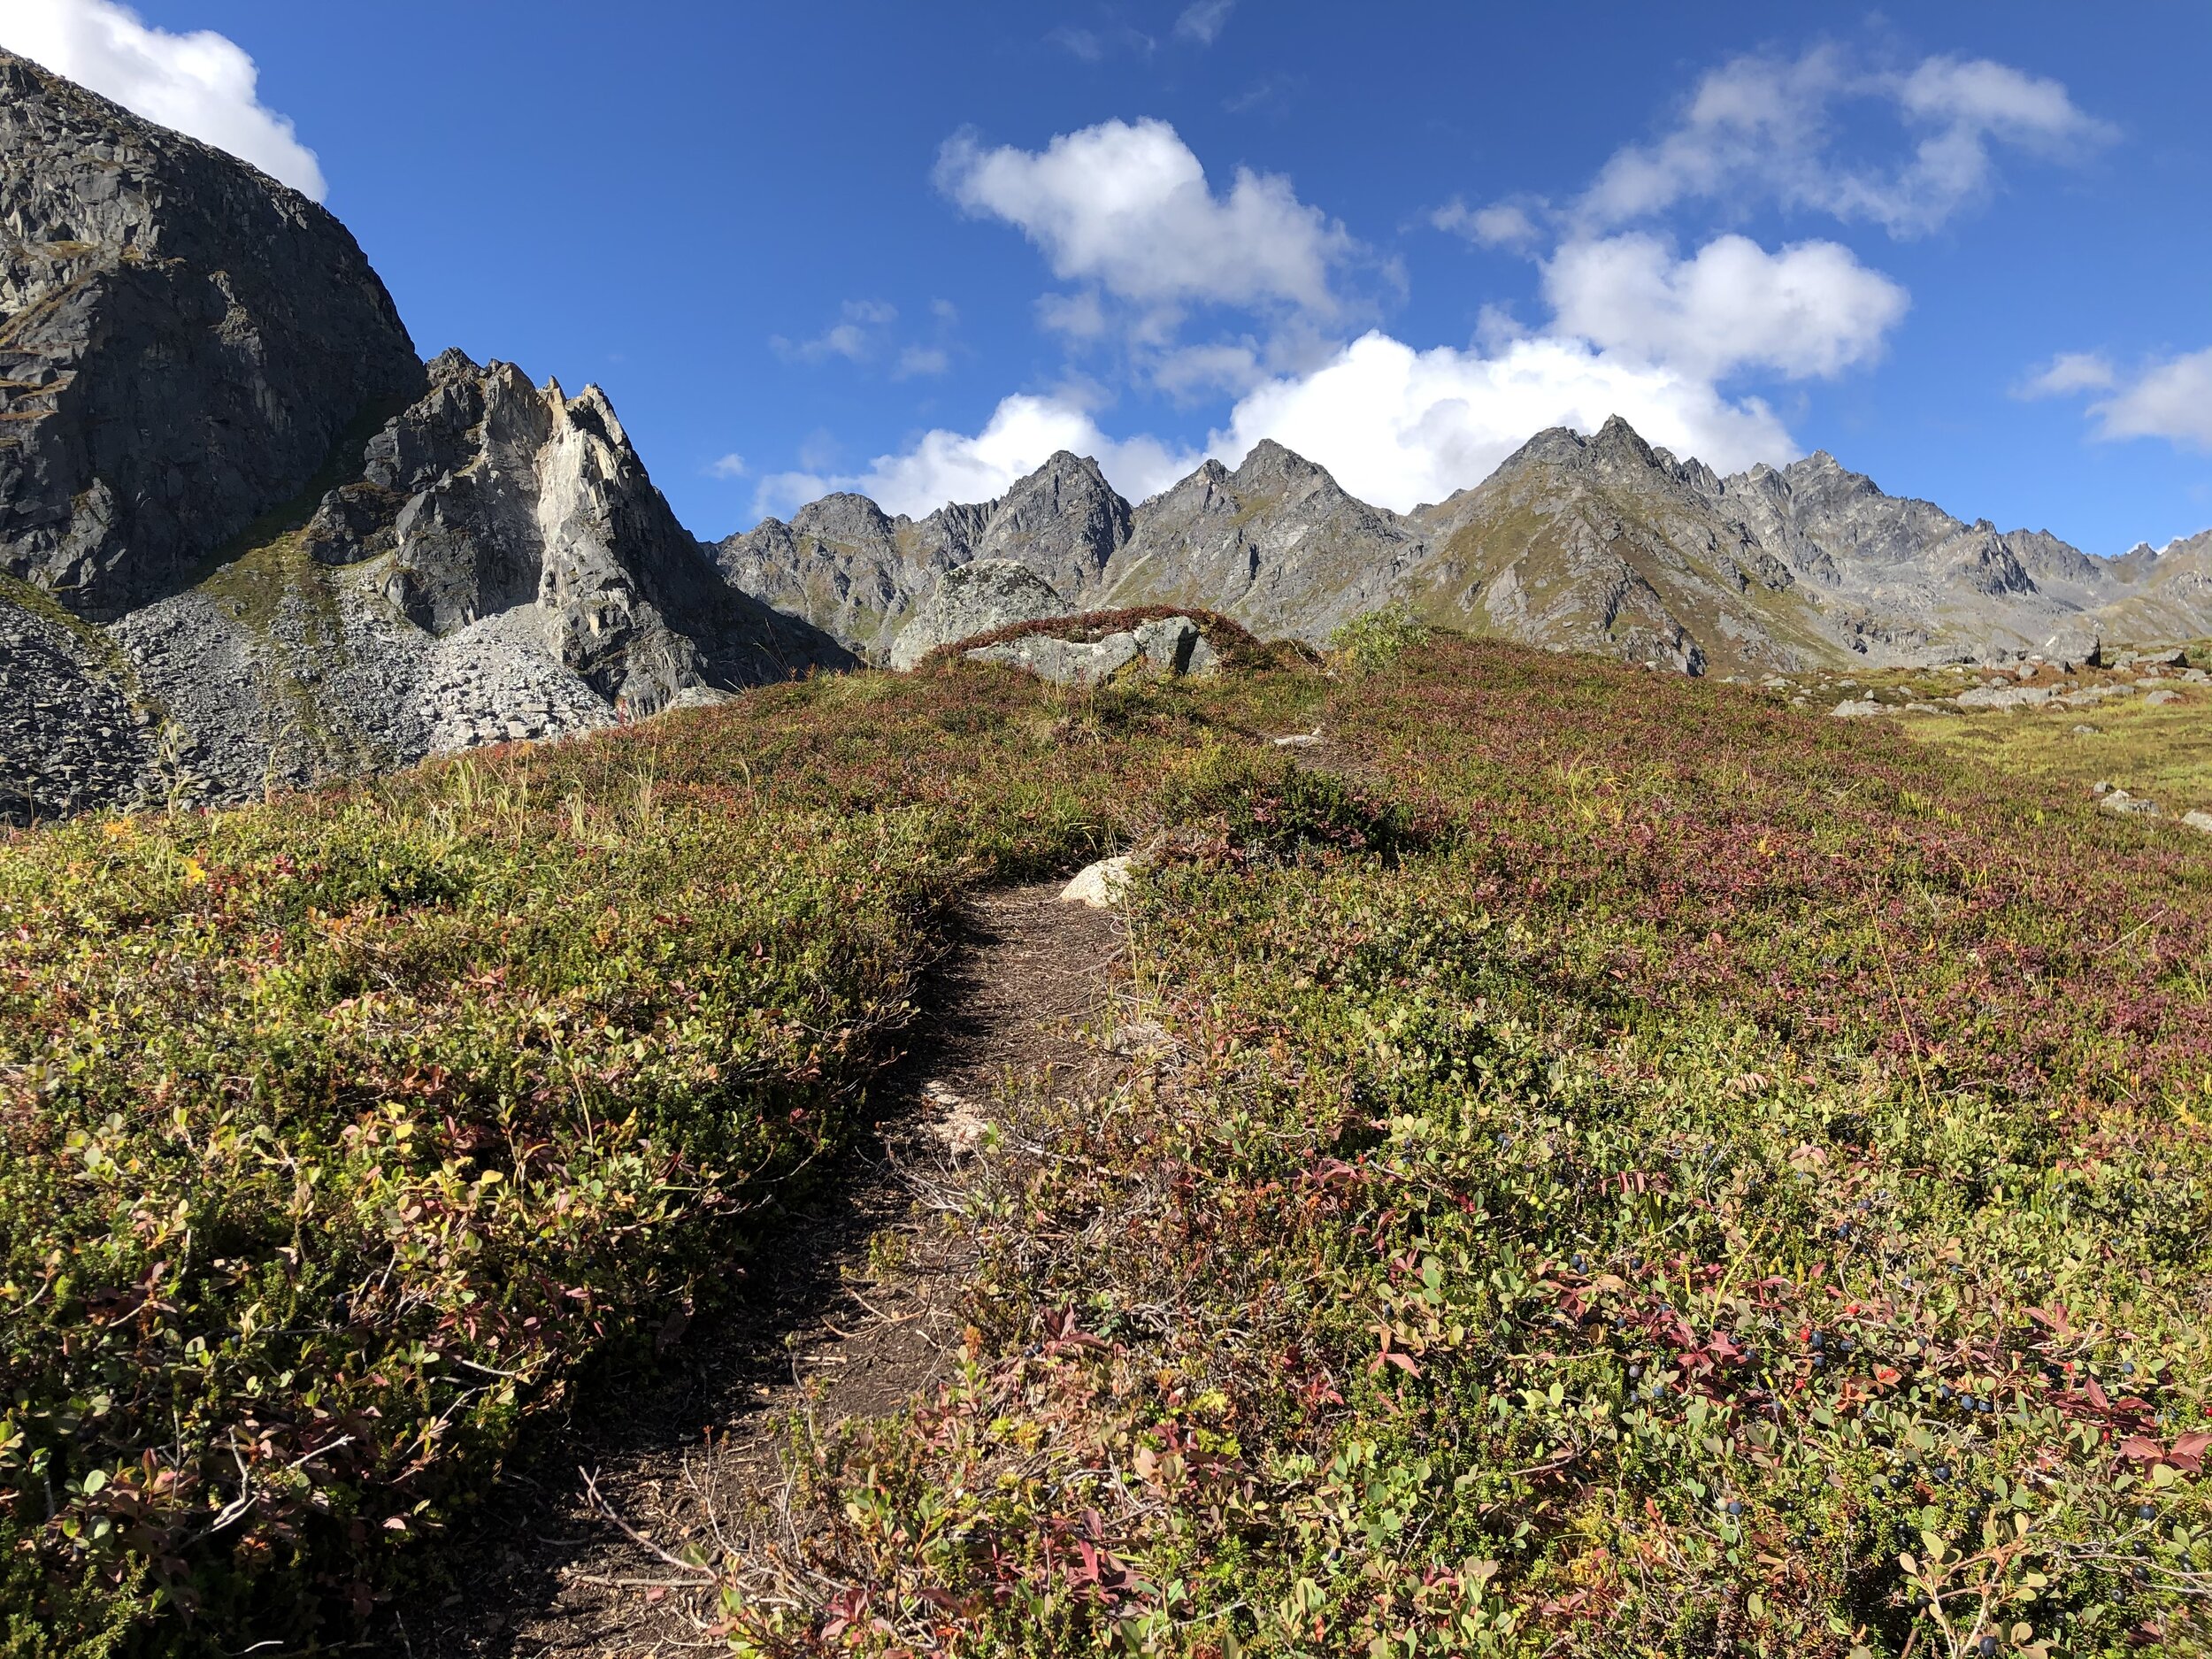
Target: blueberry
pixel 1988 1646
pixel 2127 1368
pixel 1818 1340
pixel 2146 1512
pixel 1578 1263
pixel 1941 1472
pixel 1944 1393
pixel 1734 1507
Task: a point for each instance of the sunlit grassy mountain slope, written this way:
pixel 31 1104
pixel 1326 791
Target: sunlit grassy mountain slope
pixel 1635 1168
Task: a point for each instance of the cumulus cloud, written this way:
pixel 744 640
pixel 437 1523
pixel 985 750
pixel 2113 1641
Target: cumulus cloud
pixel 2170 400
pixel 2167 397
pixel 202 83
pixel 1022 433
pixel 1809 310
pixel 1399 426
pixel 1500 225
pixel 1763 127
pixel 1204 21
pixel 1126 205
pixel 2071 371
pixel 727 466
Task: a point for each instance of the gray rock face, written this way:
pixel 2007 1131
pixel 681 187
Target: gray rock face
pixel 499 566
pixel 850 569
pixel 1277 544
pixel 183 341
pixel 972 599
pixel 1168 646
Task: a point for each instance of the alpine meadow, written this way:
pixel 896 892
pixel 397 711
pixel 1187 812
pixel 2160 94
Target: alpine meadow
pixel 1078 1044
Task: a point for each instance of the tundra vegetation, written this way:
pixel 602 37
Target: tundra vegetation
pixel 1635 1169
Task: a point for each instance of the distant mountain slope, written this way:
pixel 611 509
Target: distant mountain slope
pixel 181 341
pixel 1588 543
pixel 846 568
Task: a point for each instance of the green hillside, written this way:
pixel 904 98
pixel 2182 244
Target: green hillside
pixel 1641 1169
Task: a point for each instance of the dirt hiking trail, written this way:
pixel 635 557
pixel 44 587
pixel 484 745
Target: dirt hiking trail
pixel 578 1552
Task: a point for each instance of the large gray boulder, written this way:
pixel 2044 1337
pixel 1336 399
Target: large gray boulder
pixel 182 341
pixel 971 599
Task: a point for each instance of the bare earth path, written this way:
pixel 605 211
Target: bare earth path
pixel 551 1570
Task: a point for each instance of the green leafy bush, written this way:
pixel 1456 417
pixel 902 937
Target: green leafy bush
pixel 1376 641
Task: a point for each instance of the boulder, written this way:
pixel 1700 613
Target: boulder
pixel 971 599
pixel 2005 696
pixel 1064 662
pixel 1100 885
pixel 2120 803
pixel 1170 645
pixel 2198 821
pixel 2160 699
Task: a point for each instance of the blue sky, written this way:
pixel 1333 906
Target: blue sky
pixel 911 249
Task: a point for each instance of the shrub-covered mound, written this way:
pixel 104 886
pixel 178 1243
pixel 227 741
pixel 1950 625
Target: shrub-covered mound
pixel 1231 638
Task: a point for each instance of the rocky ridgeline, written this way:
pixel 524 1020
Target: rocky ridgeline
pixel 1597 543
pixel 499 568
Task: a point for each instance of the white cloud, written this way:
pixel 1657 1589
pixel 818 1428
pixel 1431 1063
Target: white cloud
pixel 1022 435
pixel 2072 372
pixel 730 465
pixel 202 84
pixel 1399 426
pixel 1500 225
pixel 1763 127
pixel 1811 309
pixel 1204 21
pixel 2170 400
pixel 862 335
pixel 2169 397
pixel 1126 205
pixel 917 362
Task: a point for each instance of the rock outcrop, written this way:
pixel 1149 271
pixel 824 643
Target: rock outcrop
pixel 1165 646
pixel 183 341
pixel 972 599
pixel 498 565
pixel 249 540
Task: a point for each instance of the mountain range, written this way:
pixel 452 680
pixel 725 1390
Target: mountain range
pixel 248 539
pixel 1599 543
